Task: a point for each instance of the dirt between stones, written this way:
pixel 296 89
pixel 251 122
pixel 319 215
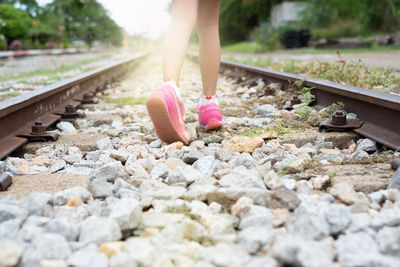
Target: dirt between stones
pixel 366 178
pixel 85 142
pixel 23 185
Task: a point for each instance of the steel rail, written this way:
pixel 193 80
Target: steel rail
pixel 47 104
pixel 38 52
pixel 379 111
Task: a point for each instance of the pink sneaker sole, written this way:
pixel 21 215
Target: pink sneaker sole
pixel 163 125
pixel 213 124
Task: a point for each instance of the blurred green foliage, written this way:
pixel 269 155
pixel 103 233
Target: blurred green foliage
pixel 242 20
pixel 267 36
pixel 342 18
pixel 59 23
pixel 3 42
pixel 239 17
pixel 14 23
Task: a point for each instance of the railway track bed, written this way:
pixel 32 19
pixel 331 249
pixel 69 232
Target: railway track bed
pixel 269 189
pixel 24 75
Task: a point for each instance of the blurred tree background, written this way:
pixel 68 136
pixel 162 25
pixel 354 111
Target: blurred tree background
pixel 243 20
pixel 61 23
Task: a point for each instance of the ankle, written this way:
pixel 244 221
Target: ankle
pixel 174 85
pixel 206 99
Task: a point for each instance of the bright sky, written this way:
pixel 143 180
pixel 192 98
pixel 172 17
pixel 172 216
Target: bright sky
pixel 137 16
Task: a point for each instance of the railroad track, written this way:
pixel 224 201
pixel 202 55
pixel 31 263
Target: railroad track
pixel 379 112
pixel 37 52
pixel 26 117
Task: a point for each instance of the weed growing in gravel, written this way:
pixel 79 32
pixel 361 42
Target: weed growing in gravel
pixel 332 176
pixel 353 73
pixel 304 111
pixel 307 96
pixel 8 95
pixel 285 125
pixel 126 100
pixel 282 170
pixel 313 164
pixel 251 133
pixel 279 127
pixel 280 130
pixel 182 209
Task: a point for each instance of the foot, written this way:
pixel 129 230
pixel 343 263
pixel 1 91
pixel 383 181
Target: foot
pixel 166 111
pixel 210 116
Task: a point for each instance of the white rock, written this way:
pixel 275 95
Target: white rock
pixel 266 110
pixel 243 159
pixel 256 216
pixel 112 171
pixel 51 246
pixel 8 212
pixel 389 217
pixel 359 249
pixel 34 203
pixel 366 145
pixel 207 165
pixel 100 188
pixel 10 253
pixel 105 143
pixel 240 177
pixel 320 182
pixel 389 240
pixel 117 124
pixel 225 255
pixel 66 127
pixel 87 257
pixel 253 238
pixel 141 250
pixel 63 197
pixel 127 212
pixel 90 230
pixel 292 250
pixel 122 259
pixel 186 175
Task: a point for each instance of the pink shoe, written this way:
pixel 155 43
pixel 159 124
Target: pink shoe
pixel 166 112
pixel 210 116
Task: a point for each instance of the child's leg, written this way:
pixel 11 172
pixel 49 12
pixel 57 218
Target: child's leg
pixel 165 106
pixel 207 28
pixel 210 116
pixel 183 19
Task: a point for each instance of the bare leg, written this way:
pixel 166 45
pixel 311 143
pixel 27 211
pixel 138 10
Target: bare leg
pixel 210 50
pixel 183 19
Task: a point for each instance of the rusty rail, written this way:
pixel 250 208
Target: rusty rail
pixel 380 112
pixel 25 118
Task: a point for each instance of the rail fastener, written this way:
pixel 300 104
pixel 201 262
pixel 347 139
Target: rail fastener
pixel 5 181
pixel 295 100
pixel 338 122
pixel 50 104
pixel 395 163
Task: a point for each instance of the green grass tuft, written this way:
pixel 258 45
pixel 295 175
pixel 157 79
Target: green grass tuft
pixel 249 47
pixel 126 100
pixel 50 72
pixel 9 95
pixel 353 73
pixel 255 47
